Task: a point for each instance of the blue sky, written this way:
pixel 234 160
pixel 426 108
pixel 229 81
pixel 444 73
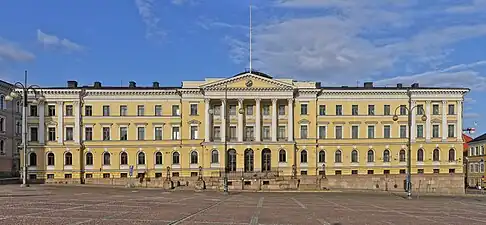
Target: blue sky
pixel 337 42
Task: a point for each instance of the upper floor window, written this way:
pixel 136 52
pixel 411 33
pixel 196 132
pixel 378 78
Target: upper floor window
pixel 303 131
pixel 232 110
pixel 123 133
pixel 403 110
pixel 123 110
pixel 249 110
pixel 386 131
pixel 371 110
pixel 420 109
pixel 69 133
pixel 303 109
pixel 386 110
pixel 33 134
pixel 435 131
pixel 281 110
pixel 140 110
pixel 451 130
pixel 322 132
pixel 322 110
pixel 339 110
pixel 88 110
pixel 106 133
pixel 451 109
pixel 158 110
pixel 371 131
pixel 266 110
pixel 51 110
pixel 354 132
pixel 140 133
pixel 69 110
pixel 33 110
pixel 403 131
pixel 193 109
pixel 175 110
pixel 354 110
pixel 88 133
pixel 339 132
pixel 106 110
pixel 2 124
pixel 435 109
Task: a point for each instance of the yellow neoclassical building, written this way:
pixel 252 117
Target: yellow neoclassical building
pixel 279 134
pixel 475 161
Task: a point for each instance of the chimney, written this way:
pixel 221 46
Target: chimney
pixel 368 84
pixel 72 84
pixel 155 84
pixel 399 85
pixel 97 84
pixel 132 84
pixel 415 85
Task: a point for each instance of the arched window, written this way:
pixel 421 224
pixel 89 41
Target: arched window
pixel 158 158
pixel 106 159
pixel 386 155
pixel 141 158
pixel 452 155
pixel 50 159
pixel 420 155
pixel 214 156
pixel 303 156
pixel 402 156
pixel 68 159
pixel 175 158
pixel 194 158
pixel 282 156
pixel 89 159
pixel 338 156
pixel 123 158
pixel 371 156
pixel 354 156
pixel 481 167
pixel 436 155
pixel 322 156
pixel 33 159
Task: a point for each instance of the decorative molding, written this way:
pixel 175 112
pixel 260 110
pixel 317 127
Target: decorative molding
pixel 141 124
pixel 194 122
pixel 371 122
pixel 123 123
pixel 354 122
pixel 106 124
pixel 339 122
pixel 386 122
pixel 304 121
pixel 435 120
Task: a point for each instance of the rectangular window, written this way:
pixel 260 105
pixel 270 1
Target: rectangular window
pixel 281 132
pixel 158 110
pixel 88 133
pixel 354 110
pixel 194 109
pixel 303 131
pixel 217 110
pixel 106 133
pixel 232 110
pixel 249 134
pixel 451 130
pixel 386 110
pixel 281 110
pixel 266 110
pixel 435 131
pixel 451 109
pixel 420 109
pixel 322 132
pixel 175 133
pixel 69 110
pixel 371 110
pixel 106 110
pixel 217 133
pixel 303 109
pixel 232 132
pixel 266 133
pixel 51 110
pixel 322 110
pixel 141 133
pixel 33 110
pixel 140 110
pixel 339 110
pixel 194 131
pixel 420 130
pixel 88 110
pixel 69 133
pixel 123 110
pixel 403 110
pixel 52 134
pixel 371 131
pixel 33 134
pixel 175 110
pixel 339 132
pixel 249 110
pixel 435 109
pixel 403 131
pixel 386 131
pixel 123 133
pixel 354 132
pixel 158 133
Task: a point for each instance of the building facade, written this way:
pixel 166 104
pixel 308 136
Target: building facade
pixel 475 161
pixel 281 130
pixel 10 132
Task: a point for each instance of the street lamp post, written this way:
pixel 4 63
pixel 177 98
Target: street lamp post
pixel 409 109
pixel 39 97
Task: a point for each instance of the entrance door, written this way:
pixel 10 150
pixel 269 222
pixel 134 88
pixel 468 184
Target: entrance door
pixel 266 159
pixel 248 160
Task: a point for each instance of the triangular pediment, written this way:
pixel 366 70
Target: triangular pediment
pixel 248 81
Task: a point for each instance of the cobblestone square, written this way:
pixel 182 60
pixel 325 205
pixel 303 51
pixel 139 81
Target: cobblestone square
pixel 100 205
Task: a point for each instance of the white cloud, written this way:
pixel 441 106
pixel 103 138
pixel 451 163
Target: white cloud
pixel 471 115
pixel 11 51
pixel 474 6
pixel 146 9
pixel 52 41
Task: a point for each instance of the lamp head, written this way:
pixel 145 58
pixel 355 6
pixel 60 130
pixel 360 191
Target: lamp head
pixel 395 118
pixel 424 118
pixel 14 94
pixel 41 98
pixel 211 111
pixel 35 102
pixel 8 98
pixel 241 111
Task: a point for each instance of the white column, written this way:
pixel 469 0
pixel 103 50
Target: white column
pixel 207 125
pixel 258 122
pixel 60 122
pixel 77 122
pixel 290 120
pixel 241 127
pixel 444 121
pixel 414 121
pixel 428 126
pixel 223 120
pixel 459 121
pixel 42 127
pixel 274 120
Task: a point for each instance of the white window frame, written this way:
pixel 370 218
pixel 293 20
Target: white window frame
pixel 84 130
pixel 319 131
pixel 335 133
pixel 65 132
pixel 144 134
pixel 162 135
pixel 119 132
pixel 400 130
pixel 367 134
pixel 351 131
pixel 432 130
pixel 55 132
pixel 196 135
pixel 178 136
pixel 453 130
pixel 47 114
pixel 4 125
pixel 190 109
pixel 300 132
pixel 111 133
pixel 391 132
